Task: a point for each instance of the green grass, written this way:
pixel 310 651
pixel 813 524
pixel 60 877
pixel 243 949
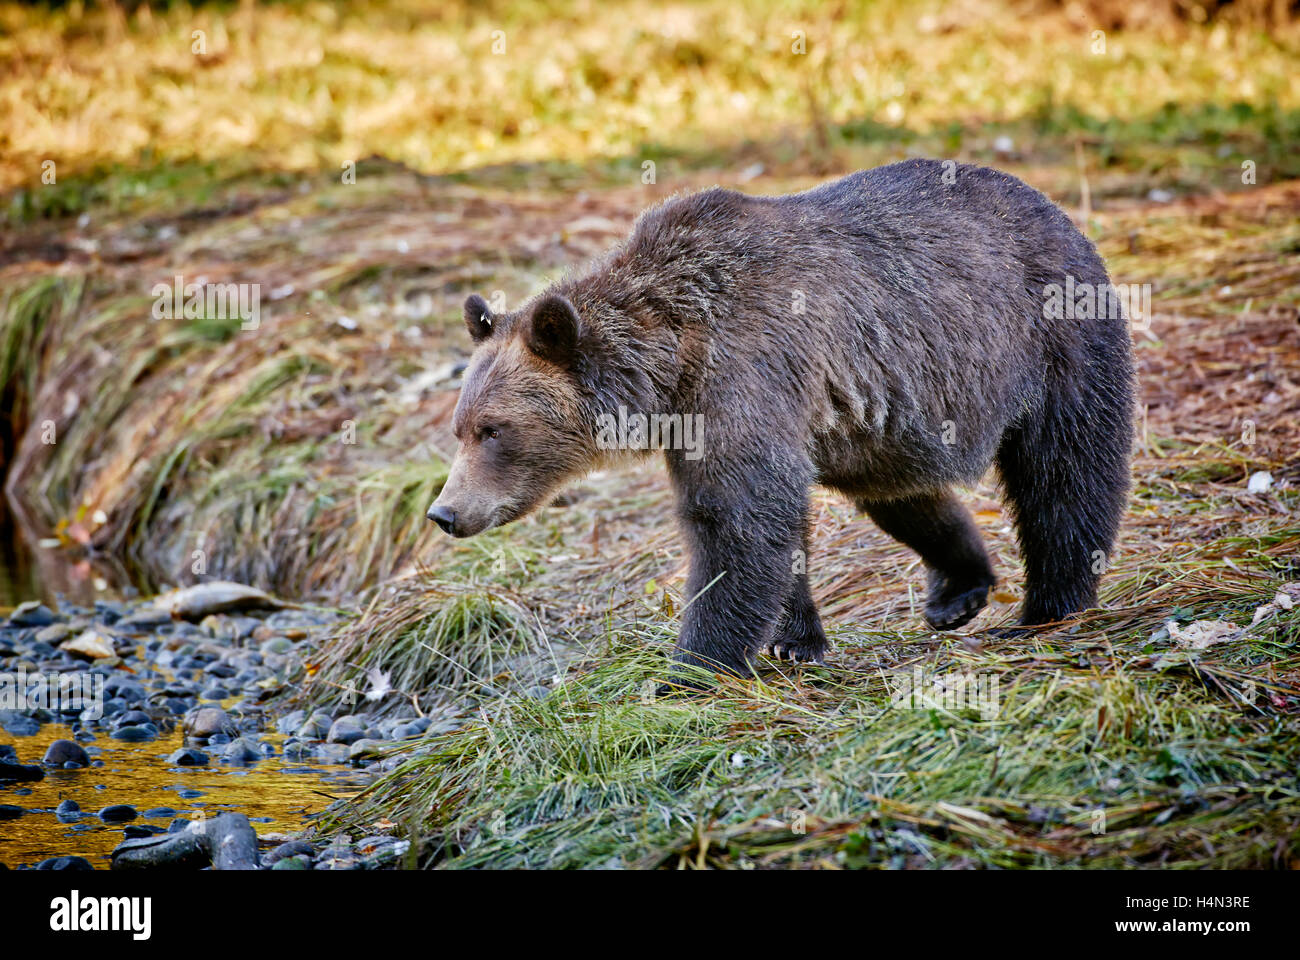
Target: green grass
pixel 435 641
pixel 1099 754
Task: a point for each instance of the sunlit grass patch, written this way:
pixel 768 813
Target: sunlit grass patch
pixel 449 87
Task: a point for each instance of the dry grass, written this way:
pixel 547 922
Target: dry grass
pixel 308 86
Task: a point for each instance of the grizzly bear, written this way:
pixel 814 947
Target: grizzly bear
pixel 887 335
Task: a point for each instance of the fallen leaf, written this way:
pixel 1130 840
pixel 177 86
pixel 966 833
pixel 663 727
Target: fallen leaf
pixel 1203 633
pixel 380 683
pixel 90 645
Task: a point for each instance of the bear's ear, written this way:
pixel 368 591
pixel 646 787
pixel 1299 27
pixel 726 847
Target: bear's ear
pixel 553 330
pixel 478 318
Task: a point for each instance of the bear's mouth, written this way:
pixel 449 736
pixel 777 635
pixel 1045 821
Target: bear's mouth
pixel 504 515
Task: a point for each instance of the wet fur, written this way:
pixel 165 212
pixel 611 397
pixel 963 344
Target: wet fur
pixel 922 319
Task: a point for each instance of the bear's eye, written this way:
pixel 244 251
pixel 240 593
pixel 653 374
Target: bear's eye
pixel 489 433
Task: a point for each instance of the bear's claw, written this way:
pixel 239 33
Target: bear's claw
pixel 797 651
pixel 951 608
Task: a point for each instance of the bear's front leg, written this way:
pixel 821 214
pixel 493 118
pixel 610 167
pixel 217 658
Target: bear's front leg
pixel 799 635
pixel 741 528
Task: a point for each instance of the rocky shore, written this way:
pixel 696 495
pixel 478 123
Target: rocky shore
pixel 213 663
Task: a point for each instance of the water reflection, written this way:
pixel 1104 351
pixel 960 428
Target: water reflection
pixel 30 571
pixel 275 794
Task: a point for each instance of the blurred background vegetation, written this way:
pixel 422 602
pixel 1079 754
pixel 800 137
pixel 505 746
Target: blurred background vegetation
pixel 368 164
pixel 150 92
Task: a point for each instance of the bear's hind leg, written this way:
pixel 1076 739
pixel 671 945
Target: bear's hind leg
pixel 799 636
pixel 938 528
pixel 1066 481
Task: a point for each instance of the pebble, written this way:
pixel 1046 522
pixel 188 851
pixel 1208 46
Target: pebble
pixel 20 772
pixel 118 813
pixel 20 726
pixel 54 634
pixel 294 848
pixel 65 863
pixel 142 830
pixel 183 670
pixel 189 757
pixel 316 727
pixel 135 734
pixel 61 752
pixel 31 614
pixel 241 751
pixel 365 749
pixel 204 722
pixel 292 863
pixel 332 752
pixel 346 730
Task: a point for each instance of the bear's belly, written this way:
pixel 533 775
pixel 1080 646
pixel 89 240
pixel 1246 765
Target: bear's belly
pixel 873 466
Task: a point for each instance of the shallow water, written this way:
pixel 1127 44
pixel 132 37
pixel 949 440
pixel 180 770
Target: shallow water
pixel 275 794
pixel 29 571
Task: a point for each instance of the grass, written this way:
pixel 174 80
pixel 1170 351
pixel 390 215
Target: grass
pixel 431 640
pixel 1107 749
pixel 430 85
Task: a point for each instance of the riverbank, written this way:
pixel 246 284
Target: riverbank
pixel 125 729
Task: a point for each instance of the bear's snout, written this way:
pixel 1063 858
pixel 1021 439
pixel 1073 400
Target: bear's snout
pixel 444 517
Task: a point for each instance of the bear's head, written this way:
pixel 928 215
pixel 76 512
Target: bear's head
pixel 521 422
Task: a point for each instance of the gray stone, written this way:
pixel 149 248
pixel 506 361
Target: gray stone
pixel 316 727
pixel 31 614
pixel 189 757
pixel 290 722
pixel 118 813
pixel 54 634
pixel 366 749
pixel 294 848
pixel 292 863
pixel 346 730
pixel 20 772
pixel 241 751
pixel 202 722
pixel 181 850
pixel 232 842
pixel 136 734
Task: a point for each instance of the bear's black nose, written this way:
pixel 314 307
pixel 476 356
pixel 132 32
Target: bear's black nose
pixel 443 517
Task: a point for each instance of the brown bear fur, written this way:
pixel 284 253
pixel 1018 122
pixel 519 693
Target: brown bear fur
pixel 884 335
